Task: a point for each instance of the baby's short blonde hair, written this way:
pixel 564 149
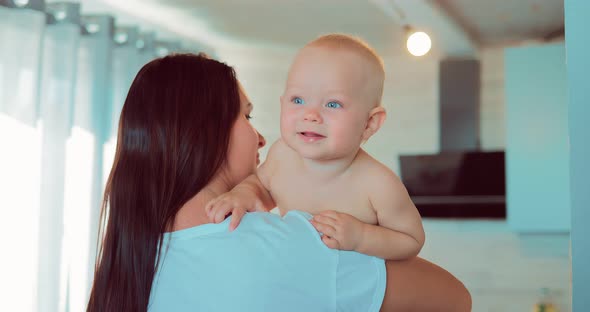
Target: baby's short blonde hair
pixel 343 42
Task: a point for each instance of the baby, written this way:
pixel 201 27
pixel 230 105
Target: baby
pixel 331 105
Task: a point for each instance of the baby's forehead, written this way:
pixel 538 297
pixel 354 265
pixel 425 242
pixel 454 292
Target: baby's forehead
pixel 346 56
pixel 342 58
pixel 343 61
pixel 348 46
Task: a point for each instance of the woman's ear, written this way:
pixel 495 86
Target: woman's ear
pixel 376 118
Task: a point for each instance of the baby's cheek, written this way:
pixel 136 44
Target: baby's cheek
pixel 342 135
pixel 288 113
pixel 287 121
pixel 349 135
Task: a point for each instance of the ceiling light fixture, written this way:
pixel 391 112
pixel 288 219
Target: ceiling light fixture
pixel 418 43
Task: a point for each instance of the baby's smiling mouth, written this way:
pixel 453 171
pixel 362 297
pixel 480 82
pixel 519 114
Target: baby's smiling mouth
pixel 310 134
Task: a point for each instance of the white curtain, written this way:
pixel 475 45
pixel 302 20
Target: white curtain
pixel 21 34
pixel 57 103
pixel 84 181
pixel 61 94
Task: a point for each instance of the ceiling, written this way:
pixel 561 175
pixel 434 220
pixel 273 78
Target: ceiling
pixel 457 27
pixel 505 22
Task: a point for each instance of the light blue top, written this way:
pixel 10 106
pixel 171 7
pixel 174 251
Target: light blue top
pixel 269 263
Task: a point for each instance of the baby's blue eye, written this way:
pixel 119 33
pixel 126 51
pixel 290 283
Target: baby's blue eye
pixel 298 100
pixel 333 105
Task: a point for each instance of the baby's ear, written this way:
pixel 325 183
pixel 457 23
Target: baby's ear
pixel 376 118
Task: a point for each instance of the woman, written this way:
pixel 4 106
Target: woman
pixel 184 138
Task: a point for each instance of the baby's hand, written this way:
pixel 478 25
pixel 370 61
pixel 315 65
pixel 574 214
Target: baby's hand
pixel 235 202
pixel 341 230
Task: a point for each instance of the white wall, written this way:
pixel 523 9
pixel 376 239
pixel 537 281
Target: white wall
pixel 492 123
pixel 504 271
pixel 410 98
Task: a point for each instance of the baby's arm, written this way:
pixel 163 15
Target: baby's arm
pixel 252 194
pixel 400 234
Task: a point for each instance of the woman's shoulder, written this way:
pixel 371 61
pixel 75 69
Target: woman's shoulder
pixel 252 263
pixel 268 263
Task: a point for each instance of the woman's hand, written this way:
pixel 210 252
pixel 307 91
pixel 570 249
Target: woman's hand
pixel 341 230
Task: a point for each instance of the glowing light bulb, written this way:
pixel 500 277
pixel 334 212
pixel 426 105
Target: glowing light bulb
pixel 419 43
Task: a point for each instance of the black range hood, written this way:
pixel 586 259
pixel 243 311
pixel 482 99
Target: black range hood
pixel 461 181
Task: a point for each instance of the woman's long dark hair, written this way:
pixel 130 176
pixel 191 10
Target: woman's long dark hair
pixel 173 137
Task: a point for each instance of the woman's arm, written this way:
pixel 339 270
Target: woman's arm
pixel 418 285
